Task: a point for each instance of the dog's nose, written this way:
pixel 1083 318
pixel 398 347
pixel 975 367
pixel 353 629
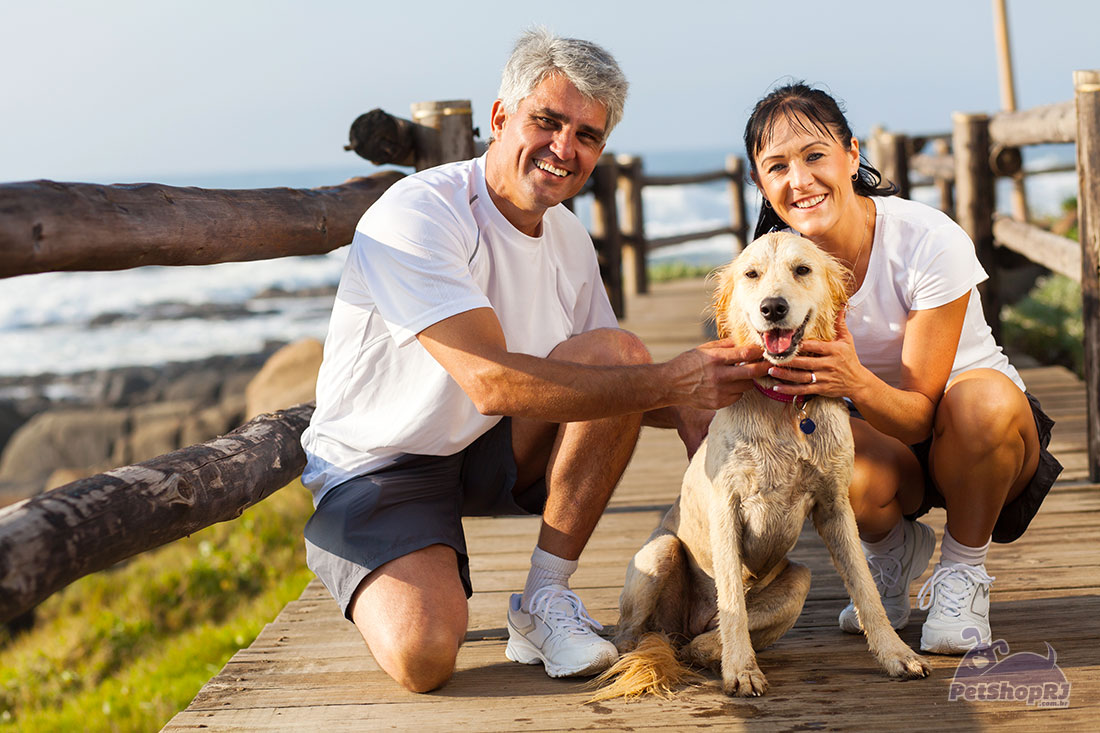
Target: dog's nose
pixel 774 309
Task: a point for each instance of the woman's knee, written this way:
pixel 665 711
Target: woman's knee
pixel 979 413
pixel 603 347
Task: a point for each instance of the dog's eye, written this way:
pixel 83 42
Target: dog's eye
pixel 752 274
pixel 802 270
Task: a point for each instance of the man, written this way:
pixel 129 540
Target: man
pixel 473 366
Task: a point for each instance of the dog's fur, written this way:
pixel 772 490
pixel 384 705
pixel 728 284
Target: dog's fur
pixel 715 573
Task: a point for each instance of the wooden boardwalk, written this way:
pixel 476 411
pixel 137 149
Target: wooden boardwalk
pixel 309 669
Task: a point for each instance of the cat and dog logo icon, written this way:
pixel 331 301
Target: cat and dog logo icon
pixel 990 674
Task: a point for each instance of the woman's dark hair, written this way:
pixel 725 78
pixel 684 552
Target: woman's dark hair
pixel 813 111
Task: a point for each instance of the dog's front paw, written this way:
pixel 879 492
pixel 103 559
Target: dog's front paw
pixel 907 666
pixel 747 682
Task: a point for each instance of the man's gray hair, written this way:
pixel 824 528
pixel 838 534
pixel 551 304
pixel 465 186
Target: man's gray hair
pixel 590 68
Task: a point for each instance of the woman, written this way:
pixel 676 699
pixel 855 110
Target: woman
pixel 941 416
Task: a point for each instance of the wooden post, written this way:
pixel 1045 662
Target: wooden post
pixel 1008 98
pixel 873 148
pixel 945 186
pixel 738 220
pixel 635 273
pixel 1086 86
pixel 605 229
pixel 454 122
pixel 975 202
pixel 892 151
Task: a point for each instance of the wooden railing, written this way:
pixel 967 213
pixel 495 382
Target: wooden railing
pixel 636 246
pixel 964 166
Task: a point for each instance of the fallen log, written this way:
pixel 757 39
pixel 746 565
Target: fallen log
pixel 50 540
pixel 47 226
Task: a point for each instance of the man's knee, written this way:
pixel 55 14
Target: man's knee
pixel 604 347
pixel 426 662
pixel 412 613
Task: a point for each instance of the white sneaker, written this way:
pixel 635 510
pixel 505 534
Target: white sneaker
pixel 893 572
pixel 559 633
pixel 957 597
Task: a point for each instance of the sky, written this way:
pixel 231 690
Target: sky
pixel 131 90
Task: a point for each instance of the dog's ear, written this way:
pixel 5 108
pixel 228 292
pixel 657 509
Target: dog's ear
pixel 721 299
pixel 837 282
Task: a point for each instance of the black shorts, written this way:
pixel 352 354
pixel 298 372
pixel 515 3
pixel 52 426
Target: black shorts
pixel 1018 513
pixel 410 503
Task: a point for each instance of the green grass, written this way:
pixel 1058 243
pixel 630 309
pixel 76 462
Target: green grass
pixel 1047 324
pixel 666 271
pixel 127 648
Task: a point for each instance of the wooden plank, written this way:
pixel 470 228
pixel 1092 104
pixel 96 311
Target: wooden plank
pixel 690 237
pixel 686 179
pixel 1053 252
pixel 1052 123
pixel 940 167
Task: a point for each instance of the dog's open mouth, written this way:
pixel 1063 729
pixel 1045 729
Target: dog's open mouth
pixel 781 344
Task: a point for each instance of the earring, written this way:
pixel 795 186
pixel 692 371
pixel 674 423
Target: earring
pixel 855 176
pixel 767 204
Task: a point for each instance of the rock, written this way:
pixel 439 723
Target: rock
pixel 200 385
pixel 11 420
pixel 288 378
pixel 128 386
pixel 62 439
pixel 13 491
pixel 155 431
pixel 63 476
pixel 213 421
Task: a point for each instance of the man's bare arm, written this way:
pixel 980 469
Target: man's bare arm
pixel 472 348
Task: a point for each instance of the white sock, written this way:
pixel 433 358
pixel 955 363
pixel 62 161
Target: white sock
pixel 892 540
pixel 546 569
pixel 953 552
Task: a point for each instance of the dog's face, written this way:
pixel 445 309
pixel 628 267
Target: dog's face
pixel 779 290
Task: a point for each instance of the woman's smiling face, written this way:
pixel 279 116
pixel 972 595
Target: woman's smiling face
pixel 806 175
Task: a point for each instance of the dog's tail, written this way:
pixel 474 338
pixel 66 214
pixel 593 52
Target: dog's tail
pixel 651 669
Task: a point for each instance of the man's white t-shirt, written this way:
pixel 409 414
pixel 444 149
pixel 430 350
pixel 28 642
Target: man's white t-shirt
pixel 433 246
pixel 920 259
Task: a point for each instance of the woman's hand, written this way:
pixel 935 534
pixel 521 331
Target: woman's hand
pixel 829 368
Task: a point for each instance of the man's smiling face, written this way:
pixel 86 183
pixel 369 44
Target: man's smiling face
pixel 544 152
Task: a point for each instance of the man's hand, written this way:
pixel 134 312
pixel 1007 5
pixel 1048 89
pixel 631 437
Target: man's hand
pixel 715 374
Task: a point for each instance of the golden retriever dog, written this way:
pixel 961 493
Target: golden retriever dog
pixel 715 576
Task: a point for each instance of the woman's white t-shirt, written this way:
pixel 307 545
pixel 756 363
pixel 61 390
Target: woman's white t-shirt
pixel 433 246
pixel 920 259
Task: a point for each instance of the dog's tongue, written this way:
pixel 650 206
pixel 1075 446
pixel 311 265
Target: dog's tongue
pixel 778 341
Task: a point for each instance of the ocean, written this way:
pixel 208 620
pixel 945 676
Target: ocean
pixel 69 322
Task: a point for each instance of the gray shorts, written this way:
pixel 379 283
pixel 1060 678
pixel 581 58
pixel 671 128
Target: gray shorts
pixel 410 503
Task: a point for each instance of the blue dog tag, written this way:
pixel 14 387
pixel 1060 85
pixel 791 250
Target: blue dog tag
pixel 807 425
